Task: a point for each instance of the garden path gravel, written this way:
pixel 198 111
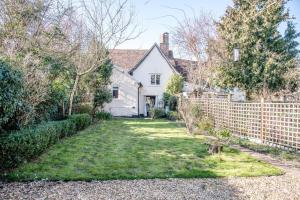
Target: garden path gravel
pixel 282 187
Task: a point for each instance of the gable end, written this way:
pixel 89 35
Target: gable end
pixel 147 54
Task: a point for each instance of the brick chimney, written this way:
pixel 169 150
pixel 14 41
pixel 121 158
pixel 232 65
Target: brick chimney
pixel 164 43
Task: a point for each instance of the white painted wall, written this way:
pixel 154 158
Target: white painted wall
pixel 153 63
pixel 238 95
pixel 126 104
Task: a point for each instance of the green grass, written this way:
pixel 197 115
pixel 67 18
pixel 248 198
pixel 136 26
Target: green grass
pixel 137 149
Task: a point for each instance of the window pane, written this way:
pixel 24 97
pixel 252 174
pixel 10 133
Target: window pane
pixel 115 92
pixel 157 79
pixel 152 79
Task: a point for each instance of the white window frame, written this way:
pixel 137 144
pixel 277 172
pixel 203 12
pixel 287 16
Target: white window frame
pixel 155 79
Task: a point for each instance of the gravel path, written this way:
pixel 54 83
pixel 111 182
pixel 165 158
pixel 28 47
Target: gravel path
pixel 282 187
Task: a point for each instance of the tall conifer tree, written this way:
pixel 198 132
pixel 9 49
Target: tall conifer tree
pixel 265 54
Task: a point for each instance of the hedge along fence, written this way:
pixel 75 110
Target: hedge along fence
pixel 274 124
pixel 26 144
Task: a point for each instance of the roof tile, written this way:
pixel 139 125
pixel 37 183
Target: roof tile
pixel 128 58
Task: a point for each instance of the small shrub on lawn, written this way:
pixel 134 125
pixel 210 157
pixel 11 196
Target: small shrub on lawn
pixel 103 115
pixel 25 144
pixel 157 113
pixel 173 116
pixel 222 138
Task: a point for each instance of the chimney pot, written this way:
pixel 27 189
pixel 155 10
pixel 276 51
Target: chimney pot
pixel 165 38
pixel 164 43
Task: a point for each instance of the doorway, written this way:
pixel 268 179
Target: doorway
pixel 150 102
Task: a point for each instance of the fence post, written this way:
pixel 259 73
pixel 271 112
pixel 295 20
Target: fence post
pixel 262 101
pixel 228 110
pixel 213 110
pixel 285 98
pixel 208 105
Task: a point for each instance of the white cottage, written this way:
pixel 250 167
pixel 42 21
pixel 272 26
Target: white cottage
pixel 140 77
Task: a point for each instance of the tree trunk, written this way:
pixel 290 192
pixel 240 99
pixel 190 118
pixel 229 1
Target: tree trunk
pixel 265 89
pixel 182 108
pixel 248 95
pixel 63 108
pixel 73 93
pixel 215 148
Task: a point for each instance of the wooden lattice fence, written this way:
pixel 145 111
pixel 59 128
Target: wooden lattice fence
pixel 276 124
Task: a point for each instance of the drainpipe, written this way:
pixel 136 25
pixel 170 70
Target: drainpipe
pixel 139 86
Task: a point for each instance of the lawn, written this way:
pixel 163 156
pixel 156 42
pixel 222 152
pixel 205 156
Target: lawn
pixel 137 149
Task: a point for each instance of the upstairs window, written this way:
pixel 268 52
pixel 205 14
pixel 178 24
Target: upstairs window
pixel 155 79
pixel 115 92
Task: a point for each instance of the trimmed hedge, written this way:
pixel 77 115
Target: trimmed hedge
pixel 103 115
pixel 26 144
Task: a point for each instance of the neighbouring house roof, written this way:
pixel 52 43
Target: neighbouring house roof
pixel 130 59
pixel 126 58
pixel 182 65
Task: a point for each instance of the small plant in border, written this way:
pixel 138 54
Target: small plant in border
pixel 221 138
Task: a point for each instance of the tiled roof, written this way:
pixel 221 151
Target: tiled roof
pixel 126 58
pixel 129 58
pixel 182 65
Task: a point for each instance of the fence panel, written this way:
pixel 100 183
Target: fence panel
pixel 276 124
pixel 281 124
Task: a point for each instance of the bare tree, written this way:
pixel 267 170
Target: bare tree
pixel 196 39
pixel 102 25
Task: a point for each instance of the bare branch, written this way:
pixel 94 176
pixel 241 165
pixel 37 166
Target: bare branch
pixel 196 39
pixel 103 25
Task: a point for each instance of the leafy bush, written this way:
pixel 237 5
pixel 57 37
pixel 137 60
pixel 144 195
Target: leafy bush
pixel 173 103
pixel 166 97
pixel 25 144
pixel 157 113
pixel 175 84
pixel 103 115
pixel 102 95
pixel 81 121
pixel 11 94
pixel 191 114
pixel 206 124
pixel 223 134
pixel 196 111
pixel 84 109
pixel 173 115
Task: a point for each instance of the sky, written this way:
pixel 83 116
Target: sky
pixel 151 16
